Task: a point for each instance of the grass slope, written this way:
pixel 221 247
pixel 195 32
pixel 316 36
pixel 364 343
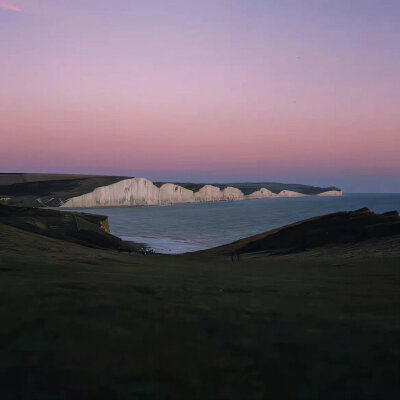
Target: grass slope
pixel 340 227
pixel 38 190
pixel 84 323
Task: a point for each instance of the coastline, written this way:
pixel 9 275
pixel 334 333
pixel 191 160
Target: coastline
pixel 204 225
pixel 143 192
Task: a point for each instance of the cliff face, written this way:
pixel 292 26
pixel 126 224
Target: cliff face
pixel 86 229
pixel 171 194
pixel 261 194
pixel 105 225
pixel 129 192
pixel 213 193
pixel 290 193
pixel 331 193
pixel 142 192
pixel 231 193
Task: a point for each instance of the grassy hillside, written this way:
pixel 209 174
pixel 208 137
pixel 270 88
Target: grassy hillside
pixel 85 229
pixel 340 227
pixel 85 323
pixel 38 190
pixel 12 178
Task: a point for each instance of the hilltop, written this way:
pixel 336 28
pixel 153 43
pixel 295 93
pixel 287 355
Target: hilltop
pixel 337 228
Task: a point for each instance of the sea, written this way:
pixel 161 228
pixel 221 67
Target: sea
pixel 183 228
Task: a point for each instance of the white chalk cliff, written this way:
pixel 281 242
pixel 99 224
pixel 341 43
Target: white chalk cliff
pixel 331 193
pixel 261 194
pixel 290 193
pixel 143 192
pixel 171 194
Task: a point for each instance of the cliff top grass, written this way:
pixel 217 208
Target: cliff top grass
pixel 86 229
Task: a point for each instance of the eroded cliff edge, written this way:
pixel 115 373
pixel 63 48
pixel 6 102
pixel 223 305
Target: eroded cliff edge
pixel 143 192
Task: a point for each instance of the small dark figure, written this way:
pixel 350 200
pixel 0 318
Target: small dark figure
pixel 232 257
pixel 238 256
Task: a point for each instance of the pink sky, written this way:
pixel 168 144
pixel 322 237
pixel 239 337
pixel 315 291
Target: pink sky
pixel 209 91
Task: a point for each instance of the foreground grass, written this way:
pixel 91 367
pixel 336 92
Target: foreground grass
pixel 81 323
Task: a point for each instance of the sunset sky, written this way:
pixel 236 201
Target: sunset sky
pixel 297 91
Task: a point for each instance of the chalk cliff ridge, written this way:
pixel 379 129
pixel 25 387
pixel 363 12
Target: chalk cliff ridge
pixel 143 192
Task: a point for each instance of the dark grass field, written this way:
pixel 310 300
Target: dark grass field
pixel 83 323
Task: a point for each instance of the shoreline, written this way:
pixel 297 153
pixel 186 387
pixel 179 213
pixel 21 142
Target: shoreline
pixel 60 208
pixel 186 227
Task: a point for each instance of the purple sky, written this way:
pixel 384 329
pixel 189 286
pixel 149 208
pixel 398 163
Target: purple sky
pixel 294 91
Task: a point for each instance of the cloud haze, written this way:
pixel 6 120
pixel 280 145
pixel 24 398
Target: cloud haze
pixel 10 7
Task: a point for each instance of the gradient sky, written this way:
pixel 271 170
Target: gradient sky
pixel 304 91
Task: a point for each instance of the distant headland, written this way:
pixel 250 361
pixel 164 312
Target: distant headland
pixel 55 190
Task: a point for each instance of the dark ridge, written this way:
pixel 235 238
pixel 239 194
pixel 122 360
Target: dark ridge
pixel 21 177
pixel 85 229
pixel 336 228
pixel 52 192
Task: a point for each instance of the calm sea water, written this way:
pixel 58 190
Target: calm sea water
pixel 189 227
